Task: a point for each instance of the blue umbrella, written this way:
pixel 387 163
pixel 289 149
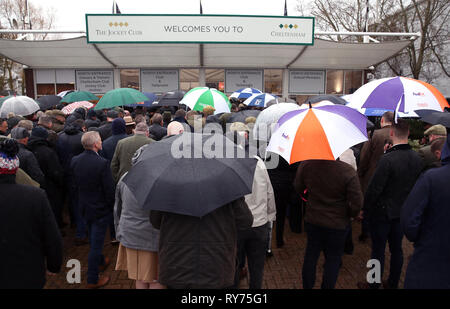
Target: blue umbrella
pixel 151 98
pixel 245 93
pixel 260 100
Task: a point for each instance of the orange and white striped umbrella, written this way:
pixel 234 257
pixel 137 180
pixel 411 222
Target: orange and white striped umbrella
pixel 69 109
pixel 318 133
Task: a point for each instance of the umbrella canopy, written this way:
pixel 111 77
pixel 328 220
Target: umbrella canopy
pixel 62 94
pixel 400 94
pixel 242 115
pixel 331 98
pixel 4 99
pixel 200 97
pixel 201 181
pixel 69 109
pixel 260 100
pixel 20 106
pixel 78 96
pixel 269 117
pixel 245 93
pixel 171 98
pixel 120 97
pixel 318 133
pixel 148 103
pixel 434 117
pixel 48 102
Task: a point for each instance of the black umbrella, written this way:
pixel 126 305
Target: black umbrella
pixel 48 102
pixel 332 98
pixel 181 175
pixel 242 115
pixel 434 117
pixel 171 98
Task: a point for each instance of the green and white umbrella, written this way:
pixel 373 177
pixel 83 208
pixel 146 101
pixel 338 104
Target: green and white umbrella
pixel 78 96
pixel 120 97
pixel 198 98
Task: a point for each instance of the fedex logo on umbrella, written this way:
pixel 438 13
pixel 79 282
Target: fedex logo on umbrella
pixel 418 94
pixel 285 136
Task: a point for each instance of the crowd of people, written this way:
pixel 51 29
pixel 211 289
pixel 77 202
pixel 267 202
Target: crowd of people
pixel 52 164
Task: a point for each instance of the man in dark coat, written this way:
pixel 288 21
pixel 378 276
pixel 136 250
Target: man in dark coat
pixel 370 154
pixel 281 178
pixel 200 253
pixel 91 119
pixel 156 129
pixel 396 174
pixel 95 187
pixel 30 242
pixel 118 133
pixel 425 221
pixel 28 162
pixel 334 197
pixel 68 146
pixel 105 129
pixel 52 169
pixel 79 113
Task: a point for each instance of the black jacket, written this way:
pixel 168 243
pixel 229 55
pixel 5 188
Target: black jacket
pixel 394 177
pixel 30 241
pixel 200 253
pixel 30 165
pixel 92 123
pixel 50 166
pixel 105 130
pixel 69 145
pixel 94 184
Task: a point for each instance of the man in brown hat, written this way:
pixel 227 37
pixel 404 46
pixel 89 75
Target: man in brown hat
pixel 433 133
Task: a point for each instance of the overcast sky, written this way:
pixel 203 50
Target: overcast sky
pixel 71 14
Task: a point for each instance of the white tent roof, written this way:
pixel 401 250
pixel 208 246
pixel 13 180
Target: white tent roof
pixel 77 53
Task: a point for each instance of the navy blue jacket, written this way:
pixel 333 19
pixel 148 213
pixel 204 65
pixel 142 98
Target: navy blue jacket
pixel 94 184
pixel 425 221
pixel 109 145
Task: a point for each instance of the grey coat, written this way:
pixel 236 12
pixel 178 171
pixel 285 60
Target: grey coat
pixel 132 224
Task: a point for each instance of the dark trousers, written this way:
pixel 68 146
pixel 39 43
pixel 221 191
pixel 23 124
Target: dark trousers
pixel 383 231
pixel 282 194
pixel 252 243
pixel 331 242
pixel 97 231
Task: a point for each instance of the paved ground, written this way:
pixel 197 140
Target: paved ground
pixel 282 271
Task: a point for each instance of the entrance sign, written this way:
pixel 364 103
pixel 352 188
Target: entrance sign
pixel 159 81
pixel 306 81
pixel 237 79
pixel 130 28
pixel 95 81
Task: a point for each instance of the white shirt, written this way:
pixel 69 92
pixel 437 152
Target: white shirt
pixel 261 201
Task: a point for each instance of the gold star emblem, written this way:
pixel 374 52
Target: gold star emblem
pixel 285 26
pixel 295 26
pixel 111 24
pixel 126 24
pixel 121 24
pixel 116 24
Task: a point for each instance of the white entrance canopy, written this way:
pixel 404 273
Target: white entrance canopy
pixel 77 53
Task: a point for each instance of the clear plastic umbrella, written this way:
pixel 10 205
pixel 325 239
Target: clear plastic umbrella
pixel 20 106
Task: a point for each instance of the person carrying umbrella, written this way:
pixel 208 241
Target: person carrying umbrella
pixel 199 219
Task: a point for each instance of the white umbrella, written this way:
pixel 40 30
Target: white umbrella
pixel 267 119
pixel 20 106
